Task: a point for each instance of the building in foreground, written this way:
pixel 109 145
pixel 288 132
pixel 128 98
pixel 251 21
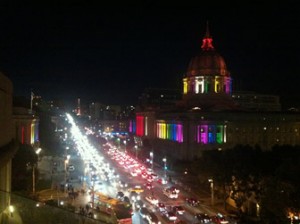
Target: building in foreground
pixel 18 126
pixel 8 144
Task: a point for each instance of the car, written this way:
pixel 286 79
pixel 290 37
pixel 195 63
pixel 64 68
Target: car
pixel 134 196
pixel 178 209
pixel 152 218
pixel 137 189
pixel 171 216
pixel 161 207
pixel 149 186
pixel 133 173
pixel 139 204
pixel 120 195
pixel 170 194
pixel 219 219
pixel 126 199
pixel 162 181
pixel 144 212
pixel 192 201
pixel 71 168
pixel 94 177
pixel 203 217
pixel 154 176
pixel 149 178
pixel 173 188
pixel 152 200
pixel 144 175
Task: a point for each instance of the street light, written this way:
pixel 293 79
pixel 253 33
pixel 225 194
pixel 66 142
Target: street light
pixel 118 139
pixel 66 162
pixel 125 146
pixel 151 156
pixel 165 166
pixel 211 181
pixel 33 170
pixel 136 148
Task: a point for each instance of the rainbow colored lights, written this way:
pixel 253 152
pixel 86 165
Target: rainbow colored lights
pixel 167 131
pixel 204 133
pixel 140 126
pixel 207 134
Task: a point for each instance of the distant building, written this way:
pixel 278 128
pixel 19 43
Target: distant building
pixel 110 118
pixel 210 116
pixel 158 99
pixel 26 126
pixel 252 101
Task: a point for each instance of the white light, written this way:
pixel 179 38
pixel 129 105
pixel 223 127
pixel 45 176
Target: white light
pixel 38 150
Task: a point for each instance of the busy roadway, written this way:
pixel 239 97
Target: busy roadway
pixel 110 171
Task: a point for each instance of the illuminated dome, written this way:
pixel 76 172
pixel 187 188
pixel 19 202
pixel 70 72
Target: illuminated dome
pixel 207 83
pixel 208 62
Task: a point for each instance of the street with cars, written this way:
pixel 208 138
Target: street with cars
pixel 111 177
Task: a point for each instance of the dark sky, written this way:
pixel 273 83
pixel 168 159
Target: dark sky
pixel 112 53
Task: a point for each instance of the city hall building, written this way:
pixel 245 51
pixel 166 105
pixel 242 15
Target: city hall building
pixel 209 116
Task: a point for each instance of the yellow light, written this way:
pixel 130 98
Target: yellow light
pixel 11 209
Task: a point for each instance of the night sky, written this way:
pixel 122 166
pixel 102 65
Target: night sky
pixel 110 54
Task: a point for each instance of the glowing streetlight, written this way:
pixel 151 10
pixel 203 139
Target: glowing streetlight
pixel 33 170
pixel 136 148
pixel 211 181
pixel 151 156
pixel 118 139
pixel 165 166
pixel 11 210
pixel 66 163
pixel 125 145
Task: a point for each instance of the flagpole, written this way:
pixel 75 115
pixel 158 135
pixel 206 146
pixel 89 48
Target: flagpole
pixel 31 99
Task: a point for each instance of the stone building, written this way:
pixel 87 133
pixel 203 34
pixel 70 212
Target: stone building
pixel 8 144
pixel 209 117
pixel 17 126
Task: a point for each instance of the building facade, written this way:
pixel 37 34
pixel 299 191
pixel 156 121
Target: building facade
pixel 8 145
pixel 17 126
pixel 209 116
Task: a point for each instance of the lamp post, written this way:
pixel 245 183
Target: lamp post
pixel 33 179
pixel 66 162
pixel 118 139
pixel 151 156
pixel 125 146
pixel 37 152
pixel 136 148
pixel 211 181
pixel 93 194
pixel 165 166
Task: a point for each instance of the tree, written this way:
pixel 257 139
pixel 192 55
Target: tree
pixel 22 165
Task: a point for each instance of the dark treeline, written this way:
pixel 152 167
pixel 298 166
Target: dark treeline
pixel 254 177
